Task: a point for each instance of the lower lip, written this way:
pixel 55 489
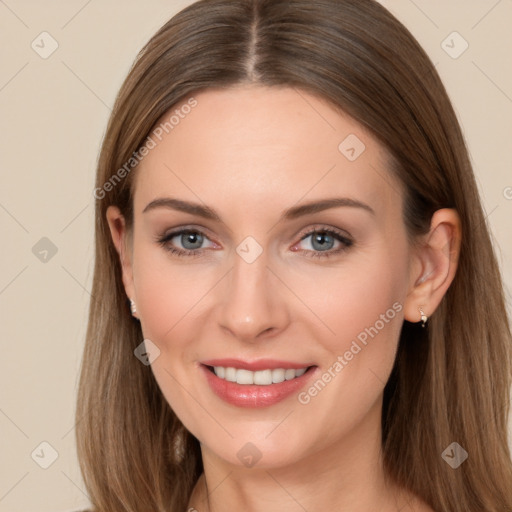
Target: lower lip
pixel 253 395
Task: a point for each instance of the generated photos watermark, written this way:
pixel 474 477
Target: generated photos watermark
pixel 356 346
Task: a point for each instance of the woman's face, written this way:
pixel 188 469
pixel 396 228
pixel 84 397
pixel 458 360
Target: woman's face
pixel 267 283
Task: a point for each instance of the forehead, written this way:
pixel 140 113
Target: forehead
pixel 254 146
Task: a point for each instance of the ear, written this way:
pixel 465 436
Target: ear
pixel 123 243
pixel 434 265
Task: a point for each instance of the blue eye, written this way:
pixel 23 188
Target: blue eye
pixel 187 238
pixel 322 243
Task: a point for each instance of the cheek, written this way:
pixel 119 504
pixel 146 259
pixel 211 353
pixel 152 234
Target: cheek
pixel 355 296
pixel 361 303
pixel 168 292
pixel 169 301
pixel 363 309
pixel 174 298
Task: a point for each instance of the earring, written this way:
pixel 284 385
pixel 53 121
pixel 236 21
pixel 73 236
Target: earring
pixel 133 308
pixel 424 317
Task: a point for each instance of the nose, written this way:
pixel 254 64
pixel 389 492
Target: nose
pixel 252 307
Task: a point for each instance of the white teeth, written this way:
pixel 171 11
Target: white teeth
pixel 261 377
pixel 230 374
pixel 289 374
pixel 244 377
pixel 278 375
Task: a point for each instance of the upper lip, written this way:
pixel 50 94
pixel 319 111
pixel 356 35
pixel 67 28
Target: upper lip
pixel 260 364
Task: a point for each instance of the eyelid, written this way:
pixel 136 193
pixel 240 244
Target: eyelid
pixel 324 228
pixel 171 232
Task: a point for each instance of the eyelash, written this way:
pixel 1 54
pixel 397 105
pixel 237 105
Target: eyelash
pixel 346 243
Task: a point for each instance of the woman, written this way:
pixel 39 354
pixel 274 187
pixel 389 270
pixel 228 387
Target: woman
pixel 296 304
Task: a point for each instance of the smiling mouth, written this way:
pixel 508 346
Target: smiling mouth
pixel 260 377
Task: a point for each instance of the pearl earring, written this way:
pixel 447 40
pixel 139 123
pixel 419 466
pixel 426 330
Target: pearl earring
pixel 133 308
pixel 424 317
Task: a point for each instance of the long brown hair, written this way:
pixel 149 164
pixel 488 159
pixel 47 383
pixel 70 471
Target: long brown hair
pixel 451 381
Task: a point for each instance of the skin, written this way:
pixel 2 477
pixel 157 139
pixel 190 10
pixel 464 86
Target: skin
pixel 249 153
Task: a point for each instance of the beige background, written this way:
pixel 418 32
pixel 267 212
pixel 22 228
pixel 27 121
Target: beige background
pixel 53 115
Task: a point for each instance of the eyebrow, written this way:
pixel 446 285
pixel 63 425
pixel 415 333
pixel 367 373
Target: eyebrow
pixel 290 214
